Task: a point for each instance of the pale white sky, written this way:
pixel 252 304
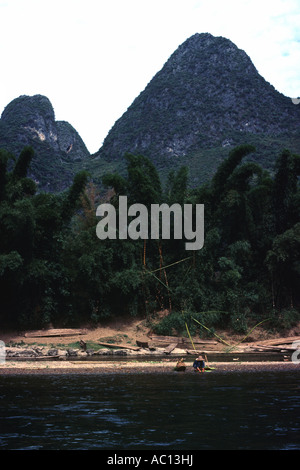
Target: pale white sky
pixel 91 58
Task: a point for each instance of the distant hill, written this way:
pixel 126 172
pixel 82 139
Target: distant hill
pixel 59 149
pixel 206 99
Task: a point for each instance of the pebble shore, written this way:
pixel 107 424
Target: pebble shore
pixel 134 367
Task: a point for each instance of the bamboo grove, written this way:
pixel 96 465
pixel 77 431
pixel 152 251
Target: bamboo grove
pixel 53 268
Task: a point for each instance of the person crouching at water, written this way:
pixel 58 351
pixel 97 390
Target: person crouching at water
pixel 199 364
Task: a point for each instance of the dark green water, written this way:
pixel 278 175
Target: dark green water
pixel 151 411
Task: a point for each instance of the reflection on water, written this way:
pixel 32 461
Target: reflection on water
pixel 151 411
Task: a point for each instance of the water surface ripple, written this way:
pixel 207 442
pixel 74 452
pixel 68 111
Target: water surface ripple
pixel 151 411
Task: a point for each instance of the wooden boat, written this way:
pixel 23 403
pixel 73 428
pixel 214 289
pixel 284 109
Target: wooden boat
pixel 32 358
pixel 55 332
pixel 119 346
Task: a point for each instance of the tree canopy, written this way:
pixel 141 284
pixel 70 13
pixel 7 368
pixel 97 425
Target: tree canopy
pixel 53 268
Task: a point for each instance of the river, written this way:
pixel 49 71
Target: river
pixel 149 411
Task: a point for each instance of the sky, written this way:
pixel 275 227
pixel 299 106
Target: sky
pixel 92 58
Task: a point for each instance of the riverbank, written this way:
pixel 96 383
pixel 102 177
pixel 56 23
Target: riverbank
pixel 123 346
pixel 136 367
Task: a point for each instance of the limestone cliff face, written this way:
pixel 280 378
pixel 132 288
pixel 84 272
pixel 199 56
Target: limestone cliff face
pixel 30 120
pixel 207 98
pixel 70 142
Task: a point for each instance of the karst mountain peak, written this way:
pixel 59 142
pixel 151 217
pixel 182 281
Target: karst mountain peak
pixel 207 98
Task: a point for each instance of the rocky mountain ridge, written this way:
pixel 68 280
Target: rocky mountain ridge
pixel 206 99
pixel 59 149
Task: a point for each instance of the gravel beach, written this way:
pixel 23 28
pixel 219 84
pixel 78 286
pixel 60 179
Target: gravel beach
pixel 135 367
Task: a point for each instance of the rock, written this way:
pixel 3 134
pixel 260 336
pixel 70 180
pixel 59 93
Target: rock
pixel 82 354
pixel 103 352
pixel 72 352
pixel 39 351
pixel 90 352
pixel 17 352
pixel 30 120
pixel 52 352
pixel 120 352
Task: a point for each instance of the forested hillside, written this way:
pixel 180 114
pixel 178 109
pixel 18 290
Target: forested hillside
pixel 53 268
pixel 207 99
pixel 59 150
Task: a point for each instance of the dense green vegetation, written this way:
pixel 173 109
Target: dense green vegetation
pixel 53 268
